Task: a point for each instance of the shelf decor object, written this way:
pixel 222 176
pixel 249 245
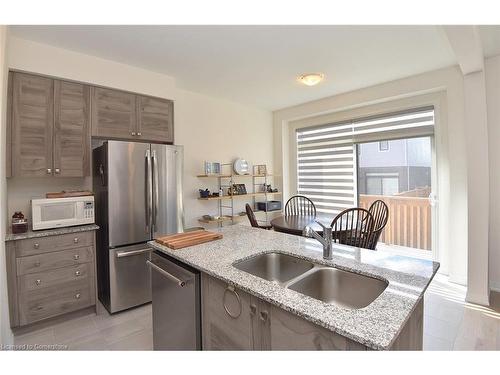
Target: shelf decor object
pixel 225 202
pixel 240 166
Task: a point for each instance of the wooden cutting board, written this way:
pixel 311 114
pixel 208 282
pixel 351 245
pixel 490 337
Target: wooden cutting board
pixel 181 240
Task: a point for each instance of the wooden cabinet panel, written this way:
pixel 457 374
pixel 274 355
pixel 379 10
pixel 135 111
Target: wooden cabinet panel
pixel 34 246
pixel 32 125
pixel 58 259
pixel 155 120
pixel 290 332
pixel 44 280
pixel 60 276
pixel 71 129
pixel 225 330
pixel 56 300
pixel 113 113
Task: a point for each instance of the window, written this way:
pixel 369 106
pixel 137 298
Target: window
pixel 326 155
pixel 383 146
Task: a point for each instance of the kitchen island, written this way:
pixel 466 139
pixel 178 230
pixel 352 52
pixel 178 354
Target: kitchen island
pixel 244 311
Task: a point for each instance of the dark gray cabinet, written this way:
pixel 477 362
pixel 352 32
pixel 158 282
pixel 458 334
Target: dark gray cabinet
pixel 122 115
pixel 49 127
pixel 235 320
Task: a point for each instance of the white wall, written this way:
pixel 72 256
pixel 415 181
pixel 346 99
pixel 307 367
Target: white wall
pixel 450 138
pixel 208 128
pixel 215 130
pixel 492 71
pixel 5 333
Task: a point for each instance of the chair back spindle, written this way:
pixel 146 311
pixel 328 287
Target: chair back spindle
pixel 300 205
pixel 353 227
pixel 380 213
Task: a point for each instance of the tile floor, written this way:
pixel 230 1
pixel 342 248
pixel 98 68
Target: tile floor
pixel 449 324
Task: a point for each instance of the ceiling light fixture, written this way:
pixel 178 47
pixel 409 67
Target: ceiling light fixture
pixel 311 79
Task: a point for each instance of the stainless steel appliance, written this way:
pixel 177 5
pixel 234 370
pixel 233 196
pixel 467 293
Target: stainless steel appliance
pixel 176 304
pixel 62 212
pixel 138 193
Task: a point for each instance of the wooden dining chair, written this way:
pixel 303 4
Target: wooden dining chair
pixel 300 205
pixel 253 220
pixel 353 227
pixel 380 213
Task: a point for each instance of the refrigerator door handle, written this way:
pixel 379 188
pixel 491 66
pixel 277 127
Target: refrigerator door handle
pixel 148 189
pixel 155 189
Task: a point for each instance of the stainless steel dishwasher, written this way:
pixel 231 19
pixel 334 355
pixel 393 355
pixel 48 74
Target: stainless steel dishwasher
pixel 176 304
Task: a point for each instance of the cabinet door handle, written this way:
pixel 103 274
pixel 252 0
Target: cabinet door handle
pixel 253 310
pixel 77 296
pixel 49 170
pixel 39 307
pixel 139 134
pixel 38 282
pixel 77 273
pixel 36 245
pixel 75 240
pixel 230 289
pixel 37 263
pixel 133 133
pixel 57 170
pixel 264 316
pixel 76 257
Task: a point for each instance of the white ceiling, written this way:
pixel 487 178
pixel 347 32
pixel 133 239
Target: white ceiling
pixel 258 65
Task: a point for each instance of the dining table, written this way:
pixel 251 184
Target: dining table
pixel 295 224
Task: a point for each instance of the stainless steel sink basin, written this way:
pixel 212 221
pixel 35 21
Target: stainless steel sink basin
pixel 343 288
pixel 275 266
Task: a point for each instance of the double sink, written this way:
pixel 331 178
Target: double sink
pixel 327 284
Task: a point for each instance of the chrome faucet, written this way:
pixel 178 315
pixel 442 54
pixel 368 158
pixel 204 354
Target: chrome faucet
pixel 326 240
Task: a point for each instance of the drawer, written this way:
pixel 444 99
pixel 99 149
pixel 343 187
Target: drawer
pixel 58 259
pixel 41 245
pixel 41 280
pixel 41 304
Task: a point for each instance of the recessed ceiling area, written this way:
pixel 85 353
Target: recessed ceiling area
pixel 259 65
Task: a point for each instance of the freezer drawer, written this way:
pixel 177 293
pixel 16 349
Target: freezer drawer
pixel 176 304
pixel 129 277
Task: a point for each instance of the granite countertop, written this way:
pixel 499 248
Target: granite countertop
pixel 50 232
pixel 375 326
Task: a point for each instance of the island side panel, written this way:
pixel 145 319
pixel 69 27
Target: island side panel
pixel 412 334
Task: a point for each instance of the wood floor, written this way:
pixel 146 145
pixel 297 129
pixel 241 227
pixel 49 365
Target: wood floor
pixel 449 324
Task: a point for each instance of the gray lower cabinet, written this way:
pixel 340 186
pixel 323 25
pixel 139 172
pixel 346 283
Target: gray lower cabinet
pixel 234 320
pixel 50 276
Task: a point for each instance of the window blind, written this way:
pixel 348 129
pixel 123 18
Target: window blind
pixel 326 157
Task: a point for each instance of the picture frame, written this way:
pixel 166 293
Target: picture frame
pixel 262 169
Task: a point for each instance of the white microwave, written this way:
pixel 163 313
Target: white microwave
pixel 62 212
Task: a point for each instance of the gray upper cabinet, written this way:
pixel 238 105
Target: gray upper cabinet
pixel 156 119
pixel 49 127
pixel 113 114
pixel 122 115
pixel 72 129
pixel 32 118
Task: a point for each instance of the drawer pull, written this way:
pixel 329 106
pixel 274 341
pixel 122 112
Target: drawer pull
pixel 77 295
pixel 77 273
pixel 37 263
pixel 39 307
pixel 36 245
pixel 38 282
pixel 76 257
pixel 75 240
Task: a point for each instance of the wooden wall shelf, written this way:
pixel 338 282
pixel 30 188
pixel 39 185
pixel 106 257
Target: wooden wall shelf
pixel 237 196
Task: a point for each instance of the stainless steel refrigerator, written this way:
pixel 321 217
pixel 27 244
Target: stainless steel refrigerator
pixel 138 197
